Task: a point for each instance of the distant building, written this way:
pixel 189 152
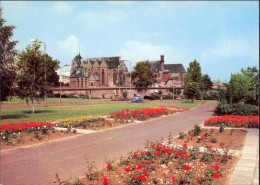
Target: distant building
pixel 168 74
pixel 64 77
pixel 97 72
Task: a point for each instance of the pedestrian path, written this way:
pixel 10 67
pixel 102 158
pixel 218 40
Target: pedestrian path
pixel 246 170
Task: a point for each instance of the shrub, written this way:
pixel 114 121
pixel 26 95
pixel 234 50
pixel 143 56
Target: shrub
pixel 235 109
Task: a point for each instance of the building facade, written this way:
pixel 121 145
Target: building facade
pixel 97 72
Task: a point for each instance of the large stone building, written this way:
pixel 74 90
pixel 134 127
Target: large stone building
pixel 112 72
pixel 97 72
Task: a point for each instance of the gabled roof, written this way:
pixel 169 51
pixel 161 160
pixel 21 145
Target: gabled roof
pixel 174 68
pixel 112 62
pixel 165 77
pixel 155 66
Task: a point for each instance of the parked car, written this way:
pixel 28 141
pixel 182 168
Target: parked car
pixel 137 99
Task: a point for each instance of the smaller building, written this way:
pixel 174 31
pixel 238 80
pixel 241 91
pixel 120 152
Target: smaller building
pixel 64 77
pixel 168 75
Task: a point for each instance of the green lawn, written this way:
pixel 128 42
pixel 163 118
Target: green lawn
pixel 16 100
pixel 53 113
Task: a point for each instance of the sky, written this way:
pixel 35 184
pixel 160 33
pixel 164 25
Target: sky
pixel 222 36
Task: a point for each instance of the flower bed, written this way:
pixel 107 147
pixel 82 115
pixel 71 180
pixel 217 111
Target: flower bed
pixel 27 133
pixel 234 121
pixel 175 108
pixel 162 164
pixel 84 121
pixel 139 114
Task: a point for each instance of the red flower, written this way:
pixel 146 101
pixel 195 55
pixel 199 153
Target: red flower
pixel 143 153
pixel 182 156
pixel 173 179
pixel 133 176
pixel 185 141
pixel 199 181
pixel 152 147
pixel 185 152
pixel 144 161
pixel 143 178
pixel 210 147
pixel 221 144
pixel 214 151
pixel 185 145
pixel 206 179
pixel 144 172
pixel 148 162
pixel 217 168
pixel 202 137
pixel 216 175
pixel 105 181
pixel 186 167
pixel 109 166
pixel 127 169
pixel 177 154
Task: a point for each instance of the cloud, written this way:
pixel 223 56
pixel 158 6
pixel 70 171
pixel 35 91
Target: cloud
pixel 139 51
pixel 70 46
pixel 230 48
pixel 62 7
pixel 99 19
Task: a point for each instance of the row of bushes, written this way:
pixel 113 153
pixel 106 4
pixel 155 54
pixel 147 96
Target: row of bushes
pixel 74 96
pixel 236 109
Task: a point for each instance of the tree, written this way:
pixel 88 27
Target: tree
pixel 206 84
pixel 142 75
pixel 31 66
pixel 253 74
pixel 52 65
pixel 8 58
pixel 244 87
pixel 192 81
pixel 239 88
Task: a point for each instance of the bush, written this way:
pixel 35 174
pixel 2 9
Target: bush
pixel 236 109
pixel 125 94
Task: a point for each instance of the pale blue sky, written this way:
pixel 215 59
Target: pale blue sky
pixel 222 36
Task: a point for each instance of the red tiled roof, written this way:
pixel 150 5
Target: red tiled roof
pixel 165 77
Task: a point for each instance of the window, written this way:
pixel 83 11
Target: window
pixel 114 77
pixel 103 77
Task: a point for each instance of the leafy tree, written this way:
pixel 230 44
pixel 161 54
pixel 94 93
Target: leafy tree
pixel 239 88
pixel 206 83
pixel 31 66
pixel 8 58
pixel 142 75
pixel 192 81
pixel 253 74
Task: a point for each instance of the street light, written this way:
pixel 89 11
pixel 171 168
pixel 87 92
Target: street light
pixel 45 94
pixel 130 77
pixel 60 78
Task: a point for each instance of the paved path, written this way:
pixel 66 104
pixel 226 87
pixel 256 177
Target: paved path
pixel 246 170
pixel 38 164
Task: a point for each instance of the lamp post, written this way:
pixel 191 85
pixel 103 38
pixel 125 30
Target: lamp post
pixel 60 78
pixel 173 89
pixel 45 94
pixel 130 77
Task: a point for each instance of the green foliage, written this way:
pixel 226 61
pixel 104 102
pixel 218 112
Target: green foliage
pixel 125 94
pixel 192 90
pixel 142 75
pixel 221 127
pixel 197 130
pixel 236 109
pixel 8 57
pixel 243 87
pixel 181 135
pixel 206 84
pixel 31 66
pixel 192 81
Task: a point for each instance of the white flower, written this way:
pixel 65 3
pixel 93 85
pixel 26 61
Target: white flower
pixel 4 137
pixel 44 126
pixel 19 132
pixel 14 133
pixel 38 128
pixel 56 124
pixel 1 133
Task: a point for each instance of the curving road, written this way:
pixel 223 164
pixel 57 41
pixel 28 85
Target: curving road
pixel 39 163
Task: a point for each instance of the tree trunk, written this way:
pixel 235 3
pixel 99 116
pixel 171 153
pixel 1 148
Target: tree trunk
pixel 32 107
